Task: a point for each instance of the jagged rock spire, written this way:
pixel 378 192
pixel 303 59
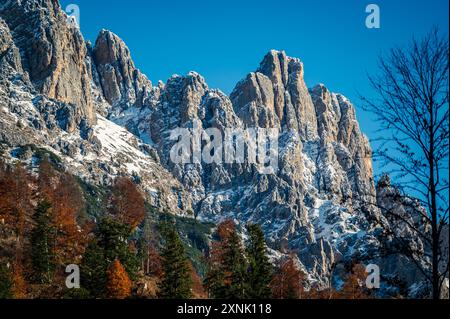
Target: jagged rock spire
pixel 121 81
pixel 53 52
pixel 276 96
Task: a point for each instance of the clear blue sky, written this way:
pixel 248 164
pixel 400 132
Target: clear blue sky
pixel 224 40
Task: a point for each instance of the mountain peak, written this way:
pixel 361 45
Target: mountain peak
pixel 122 83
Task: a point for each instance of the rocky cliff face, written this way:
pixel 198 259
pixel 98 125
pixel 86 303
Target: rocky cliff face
pixel 93 108
pixel 120 81
pixel 53 52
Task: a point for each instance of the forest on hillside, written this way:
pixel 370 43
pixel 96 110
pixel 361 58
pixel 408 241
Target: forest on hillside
pixel 51 221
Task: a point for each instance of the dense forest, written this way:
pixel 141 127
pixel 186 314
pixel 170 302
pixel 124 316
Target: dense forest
pixel 124 248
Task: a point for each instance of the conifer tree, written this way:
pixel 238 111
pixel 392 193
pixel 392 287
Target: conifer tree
pixel 227 273
pixel 93 271
pixel 113 239
pixel 42 255
pixel 126 204
pixel 111 243
pixel 235 267
pixel 5 282
pixel 354 285
pixel 177 282
pixel 119 284
pixel 260 269
pixel 19 285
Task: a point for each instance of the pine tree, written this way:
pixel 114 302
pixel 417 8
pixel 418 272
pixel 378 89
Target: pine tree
pixel 42 241
pixel 113 239
pixel 93 271
pixel 235 267
pixel 67 204
pixel 5 282
pixel 119 284
pixel 110 244
pixel 227 273
pixel 177 282
pixel 260 269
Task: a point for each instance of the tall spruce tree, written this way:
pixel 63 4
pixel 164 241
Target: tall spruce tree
pixel 259 267
pixel 177 281
pixel 227 267
pixel 93 271
pixel 110 244
pixel 113 239
pixel 42 241
pixel 5 282
pixel 235 269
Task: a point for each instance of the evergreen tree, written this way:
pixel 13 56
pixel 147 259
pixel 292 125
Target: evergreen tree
pixel 235 267
pixel 110 244
pixel 42 255
pixel 113 239
pixel 260 269
pixel 119 284
pixel 177 282
pixel 5 282
pixel 227 273
pixel 93 271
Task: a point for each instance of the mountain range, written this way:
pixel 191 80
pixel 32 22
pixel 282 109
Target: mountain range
pixel 92 108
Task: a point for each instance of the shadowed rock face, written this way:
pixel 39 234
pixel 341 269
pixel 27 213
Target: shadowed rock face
pixel 320 201
pixel 53 53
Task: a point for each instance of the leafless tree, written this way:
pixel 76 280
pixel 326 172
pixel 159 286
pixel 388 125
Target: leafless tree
pixel 411 106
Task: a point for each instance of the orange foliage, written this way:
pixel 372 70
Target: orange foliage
pixel 19 289
pixel 66 198
pixel 354 286
pixel 126 202
pixel 286 282
pixel 119 284
pixel 198 291
pixel 15 199
pixel 67 204
pixel 153 262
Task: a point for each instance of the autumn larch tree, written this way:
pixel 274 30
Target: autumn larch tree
pixel 126 203
pixel 16 200
pixel 119 284
pixel 354 286
pixel 287 280
pixel 67 205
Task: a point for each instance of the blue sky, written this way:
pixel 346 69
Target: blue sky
pixel 225 40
